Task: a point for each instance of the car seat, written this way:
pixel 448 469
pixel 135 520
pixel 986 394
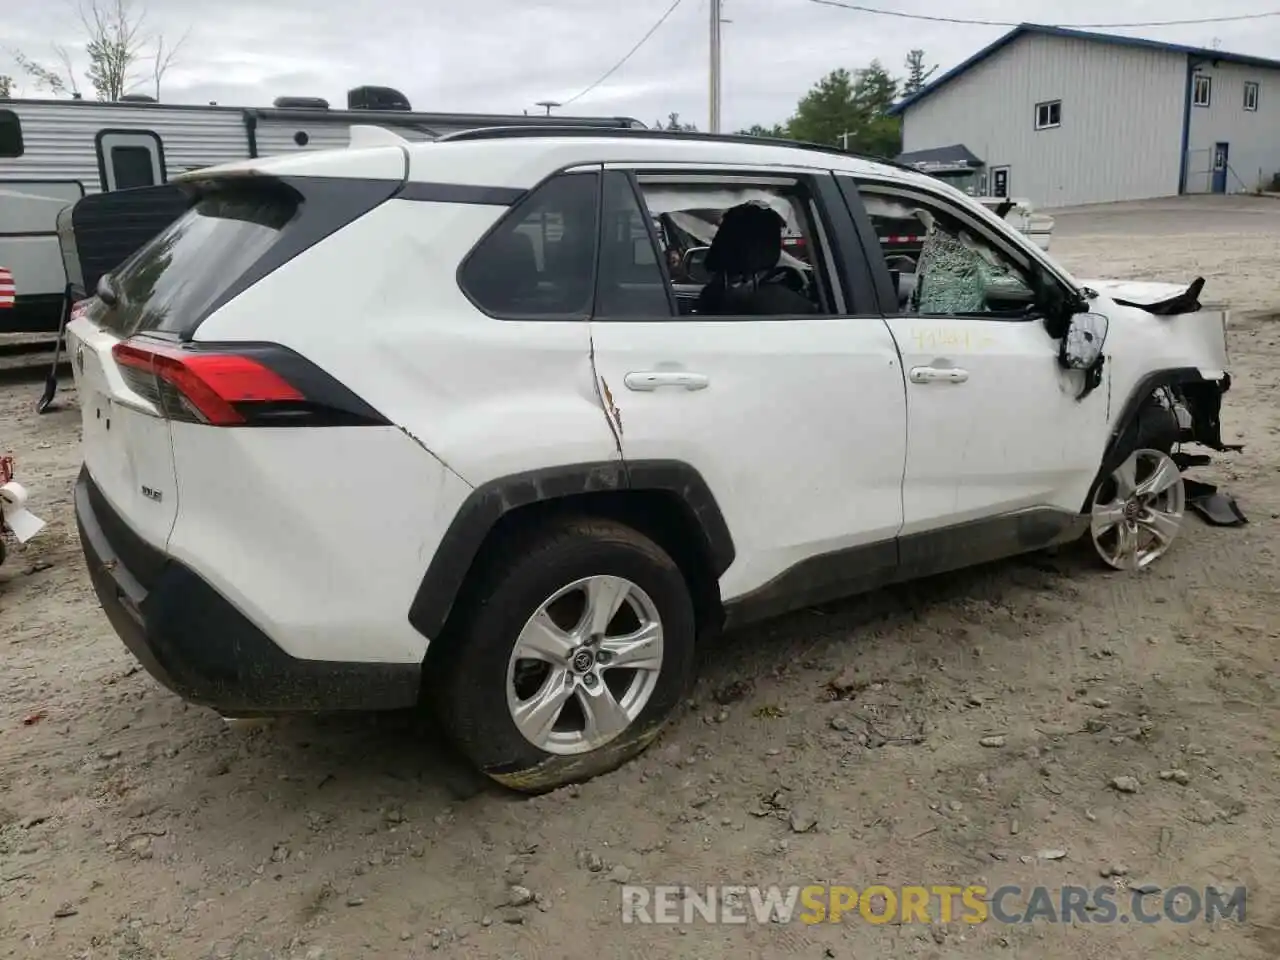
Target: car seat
pixel 743 254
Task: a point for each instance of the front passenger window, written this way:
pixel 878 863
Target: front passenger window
pixel 942 265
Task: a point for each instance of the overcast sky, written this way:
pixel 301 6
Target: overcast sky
pixel 501 56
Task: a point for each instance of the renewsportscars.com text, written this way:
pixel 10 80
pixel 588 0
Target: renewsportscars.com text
pixel 817 903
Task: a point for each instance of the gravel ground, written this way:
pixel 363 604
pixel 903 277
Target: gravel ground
pixel 1031 722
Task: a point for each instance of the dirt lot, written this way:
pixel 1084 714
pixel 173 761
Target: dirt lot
pixel 134 827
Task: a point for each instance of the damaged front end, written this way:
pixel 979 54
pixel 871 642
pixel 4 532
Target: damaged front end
pixel 1195 407
pixel 1186 338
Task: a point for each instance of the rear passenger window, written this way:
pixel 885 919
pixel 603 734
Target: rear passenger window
pixel 631 282
pixel 10 134
pixel 766 260
pixel 539 263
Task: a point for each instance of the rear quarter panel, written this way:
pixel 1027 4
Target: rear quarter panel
pixel 318 535
pixel 378 306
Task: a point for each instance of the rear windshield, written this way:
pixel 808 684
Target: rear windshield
pixel 169 284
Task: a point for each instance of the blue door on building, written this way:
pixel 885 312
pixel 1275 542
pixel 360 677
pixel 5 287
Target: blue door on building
pixel 1220 168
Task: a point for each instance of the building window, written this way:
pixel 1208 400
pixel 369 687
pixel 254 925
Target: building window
pixel 1201 87
pixel 1048 115
pixel 1250 95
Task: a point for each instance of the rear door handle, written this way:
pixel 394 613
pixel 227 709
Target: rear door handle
pixel 647 380
pixel 938 375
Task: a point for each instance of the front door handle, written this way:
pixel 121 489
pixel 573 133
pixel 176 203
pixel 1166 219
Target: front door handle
pixel 938 375
pixel 647 380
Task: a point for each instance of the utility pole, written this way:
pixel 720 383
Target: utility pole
pixel 844 140
pixel 714 118
pixel 547 105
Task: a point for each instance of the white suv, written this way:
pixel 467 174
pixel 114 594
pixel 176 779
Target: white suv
pixel 483 424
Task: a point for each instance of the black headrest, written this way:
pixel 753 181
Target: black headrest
pixel 749 240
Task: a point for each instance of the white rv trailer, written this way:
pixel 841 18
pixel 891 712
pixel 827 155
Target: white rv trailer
pixel 53 152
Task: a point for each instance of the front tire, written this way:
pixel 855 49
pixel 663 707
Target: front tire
pixel 575 648
pixel 1137 511
pixel 1138 505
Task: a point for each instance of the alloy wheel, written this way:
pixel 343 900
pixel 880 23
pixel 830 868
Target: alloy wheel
pixel 1138 510
pixel 585 665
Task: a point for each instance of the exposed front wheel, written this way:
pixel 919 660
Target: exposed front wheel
pixel 576 649
pixel 1137 511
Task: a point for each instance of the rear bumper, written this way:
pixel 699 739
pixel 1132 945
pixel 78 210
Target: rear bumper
pixel 202 648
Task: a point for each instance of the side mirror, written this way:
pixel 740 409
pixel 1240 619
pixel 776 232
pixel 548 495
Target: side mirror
pixel 1085 337
pixel 1055 305
pixel 694 264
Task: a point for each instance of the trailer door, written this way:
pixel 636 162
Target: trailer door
pixel 129 158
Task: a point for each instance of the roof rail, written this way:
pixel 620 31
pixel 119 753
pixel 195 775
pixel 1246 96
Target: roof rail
pixel 570 130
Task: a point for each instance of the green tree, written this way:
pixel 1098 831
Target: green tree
pixel 673 123
pixel 826 112
pixel 6 87
pixel 917 73
pixel 850 109
pixel 878 133
pixel 121 52
pixel 778 131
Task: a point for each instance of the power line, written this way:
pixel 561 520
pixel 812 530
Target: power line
pixel 1013 23
pixel 630 53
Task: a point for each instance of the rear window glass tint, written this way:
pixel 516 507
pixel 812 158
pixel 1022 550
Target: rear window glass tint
pixel 133 167
pixel 168 285
pixel 631 284
pixel 540 261
pixel 10 134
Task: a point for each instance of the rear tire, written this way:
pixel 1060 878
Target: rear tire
pixel 590 691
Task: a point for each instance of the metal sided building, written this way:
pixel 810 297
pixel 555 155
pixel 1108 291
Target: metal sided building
pixel 1064 117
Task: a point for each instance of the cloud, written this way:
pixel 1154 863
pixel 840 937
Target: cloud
pixel 503 56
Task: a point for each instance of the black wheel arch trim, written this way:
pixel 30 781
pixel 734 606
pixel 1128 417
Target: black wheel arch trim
pixel 1204 399
pixel 490 502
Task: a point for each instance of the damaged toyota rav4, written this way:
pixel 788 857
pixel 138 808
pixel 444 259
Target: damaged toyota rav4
pixel 503 424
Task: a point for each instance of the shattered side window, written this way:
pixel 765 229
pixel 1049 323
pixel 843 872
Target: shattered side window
pixel 939 265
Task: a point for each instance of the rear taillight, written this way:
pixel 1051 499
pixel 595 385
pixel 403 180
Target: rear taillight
pixel 238 385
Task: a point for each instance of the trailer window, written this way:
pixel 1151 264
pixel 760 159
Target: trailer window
pixel 133 167
pixel 10 134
